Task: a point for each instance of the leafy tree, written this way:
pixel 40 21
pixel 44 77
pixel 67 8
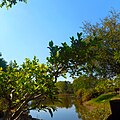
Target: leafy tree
pixel 64 87
pixel 105 86
pixel 20 85
pixel 56 63
pixel 67 58
pixel 3 63
pixel 95 53
pixel 10 3
pixel 106 52
pixel 84 82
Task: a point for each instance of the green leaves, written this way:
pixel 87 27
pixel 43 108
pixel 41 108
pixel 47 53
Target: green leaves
pixel 10 3
pixel 117 56
pixel 94 54
pixel 51 43
pixel 27 82
pixel 3 63
pixel 79 35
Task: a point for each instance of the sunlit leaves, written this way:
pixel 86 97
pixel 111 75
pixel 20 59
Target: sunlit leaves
pixel 117 56
pixel 94 53
pixel 23 83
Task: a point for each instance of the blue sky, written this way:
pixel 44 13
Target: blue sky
pixel 26 29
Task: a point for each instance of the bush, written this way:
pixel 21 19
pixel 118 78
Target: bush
pixel 86 94
pixel 105 86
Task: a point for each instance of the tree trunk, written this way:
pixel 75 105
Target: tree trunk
pixel 12 116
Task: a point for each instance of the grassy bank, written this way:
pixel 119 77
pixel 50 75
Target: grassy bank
pixel 98 108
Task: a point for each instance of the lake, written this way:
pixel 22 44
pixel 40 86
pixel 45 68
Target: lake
pixel 70 109
pixel 66 110
pixel 60 114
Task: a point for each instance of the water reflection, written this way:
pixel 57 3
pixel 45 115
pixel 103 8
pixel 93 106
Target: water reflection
pixel 66 101
pixel 60 114
pixel 71 109
pixel 65 110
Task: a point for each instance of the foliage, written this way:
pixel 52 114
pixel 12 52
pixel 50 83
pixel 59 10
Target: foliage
pixel 3 63
pixel 67 58
pixel 93 55
pixel 21 84
pixel 10 3
pixel 84 82
pixel 117 81
pixel 97 108
pixel 93 111
pixel 56 63
pixel 117 56
pixel 85 94
pixel 64 87
pixel 104 86
pixel 96 53
pixel 99 113
pixel 84 87
pixel 106 50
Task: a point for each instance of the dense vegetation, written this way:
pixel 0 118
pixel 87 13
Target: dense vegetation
pixel 94 57
pixel 3 63
pixel 64 87
pixel 93 54
pixel 20 85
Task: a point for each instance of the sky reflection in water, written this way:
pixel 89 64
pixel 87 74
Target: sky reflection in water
pixel 60 114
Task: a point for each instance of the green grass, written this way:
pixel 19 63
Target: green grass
pixel 99 108
pixel 103 98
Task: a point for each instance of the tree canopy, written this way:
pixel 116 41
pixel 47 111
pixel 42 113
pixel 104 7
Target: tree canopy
pixel 3 63
pixel 95 52
pixel 64 87
pixel 20 85
pixel 108 33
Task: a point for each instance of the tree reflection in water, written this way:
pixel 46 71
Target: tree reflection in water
pixel 67 101
pixel 97 113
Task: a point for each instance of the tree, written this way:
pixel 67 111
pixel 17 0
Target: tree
pixel 3 63
pixel 107 50
pixel 64 87
pixel 67 58
pixel 95 52
pixel 10 3
pixel 84 82
pixel 20 85
pixel 56 63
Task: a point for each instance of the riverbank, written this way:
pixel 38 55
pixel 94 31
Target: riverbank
pixel 98 108
pixel 94 109
pixel 102 99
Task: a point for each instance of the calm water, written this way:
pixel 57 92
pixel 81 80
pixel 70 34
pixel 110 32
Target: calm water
pixel 71 109
pixel 60 114
pixel 66 110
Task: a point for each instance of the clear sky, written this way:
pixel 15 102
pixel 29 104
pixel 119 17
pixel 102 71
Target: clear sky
pixel 26 29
